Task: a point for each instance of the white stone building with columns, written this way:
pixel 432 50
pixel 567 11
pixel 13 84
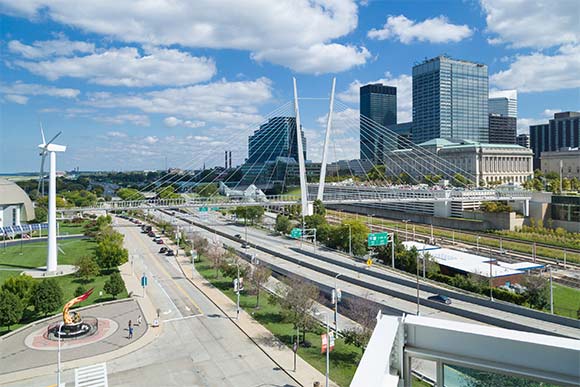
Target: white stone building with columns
pixel 487 163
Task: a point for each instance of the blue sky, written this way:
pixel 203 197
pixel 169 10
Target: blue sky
pixel 133 83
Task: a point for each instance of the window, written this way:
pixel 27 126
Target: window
pixel 14 216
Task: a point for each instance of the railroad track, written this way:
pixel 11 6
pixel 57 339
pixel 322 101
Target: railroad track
pixel 514 256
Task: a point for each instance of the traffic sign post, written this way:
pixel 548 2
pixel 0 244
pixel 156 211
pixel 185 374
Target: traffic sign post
pixel 296 233
pixel 378 239
pixel 143 283
pixel 203 209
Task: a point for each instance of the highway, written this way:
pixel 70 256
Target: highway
pixel 396 297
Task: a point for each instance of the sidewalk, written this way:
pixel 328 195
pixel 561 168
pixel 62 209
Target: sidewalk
pixel 305 374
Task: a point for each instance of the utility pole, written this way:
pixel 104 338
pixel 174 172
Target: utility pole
pixel 336 303
pixel 551 289
pixel 393 250
pixel 417 276
pixel 350 240
pixel 490 277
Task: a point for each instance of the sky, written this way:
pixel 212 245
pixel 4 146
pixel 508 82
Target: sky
pixel 138 85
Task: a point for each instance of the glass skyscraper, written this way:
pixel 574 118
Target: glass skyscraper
pixel 378 103
pixel 275 138
pixel 450 100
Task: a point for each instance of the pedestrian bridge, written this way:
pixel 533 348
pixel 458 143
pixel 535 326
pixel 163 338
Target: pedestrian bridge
pixel 332 195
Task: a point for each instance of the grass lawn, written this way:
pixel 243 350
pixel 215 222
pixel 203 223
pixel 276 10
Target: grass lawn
pixel 343 359
pixel 34 255
pixel 293 191
pixel 566 300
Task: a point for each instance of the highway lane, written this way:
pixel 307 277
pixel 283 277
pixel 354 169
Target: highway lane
pixel 276 243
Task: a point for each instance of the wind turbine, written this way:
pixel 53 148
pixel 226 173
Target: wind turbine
pixel 51 149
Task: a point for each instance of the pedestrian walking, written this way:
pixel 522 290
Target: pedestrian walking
pixel 130 332
pixel 130 324
pixel 139 320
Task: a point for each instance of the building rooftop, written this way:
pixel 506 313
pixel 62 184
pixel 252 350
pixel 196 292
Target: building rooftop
pixel 11 193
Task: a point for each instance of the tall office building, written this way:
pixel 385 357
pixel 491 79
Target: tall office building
pixel 502 129
pixel 450 100
pixel 379 104
pixel 275 138
pixel 504 102
pixel 563 131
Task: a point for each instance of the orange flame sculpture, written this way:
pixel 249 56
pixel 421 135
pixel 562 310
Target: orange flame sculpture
pixel 66 317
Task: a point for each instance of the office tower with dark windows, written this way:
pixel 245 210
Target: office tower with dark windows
pixel 563 131
pixel 523 140
pixel 378 108
pixel 275 138
pixel 450 100
pixel 502 129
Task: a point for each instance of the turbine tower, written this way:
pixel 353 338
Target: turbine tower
pixel 51 149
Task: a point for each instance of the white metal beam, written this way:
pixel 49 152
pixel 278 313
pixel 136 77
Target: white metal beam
pixel 301 166
pixel 320 193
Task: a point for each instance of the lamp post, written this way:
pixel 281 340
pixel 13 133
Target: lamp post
pixel 417 276
pixel 551 292
pixel 349 240
pixel 336 303
pixel 406 221
pixel 490 276
pixel 327 346
pixel 371 221
pixel 58 359
pixel 477 242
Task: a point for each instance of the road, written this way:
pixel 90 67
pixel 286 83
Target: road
pixel 198 346
pixel 394 302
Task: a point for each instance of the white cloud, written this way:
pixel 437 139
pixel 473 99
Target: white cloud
pixel 151 139
pixel 57 47
pixel 119 119
pixel 536 24
pixel 19 99
pixel 316 59
pixel 226 103
pixel 512 94
pixel 172 122
pixel 524 124
pixel 540 72
pixel 117 134
pixel 435 30
pixel 18 92
pixel 404 85
pixel 127 67
pixel 549 113
pixel 254 25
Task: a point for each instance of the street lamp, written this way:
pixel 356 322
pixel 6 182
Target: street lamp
pixel 490 276
pixel 58 360
pixel 551 292
pixel 406 221
pixel 417 276
pixel 327 345
pixel 349 239
pixel 336 303
pixel 371 221
pixel 477 242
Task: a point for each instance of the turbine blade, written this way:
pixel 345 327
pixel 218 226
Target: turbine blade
pixel 42 134
pixel 52 139
pixel 59 249
pixel 41 176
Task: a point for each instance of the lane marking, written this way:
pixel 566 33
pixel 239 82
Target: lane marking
pixel 183 318
pixel 168 275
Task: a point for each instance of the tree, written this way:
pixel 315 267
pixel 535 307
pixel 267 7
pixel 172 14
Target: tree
pixel 259 277
pixel 250 213
pixel 376 173
pixel 110 254
pixel 339 237
pixel 216 257
pixel 47 296
pixel 11 309
pixel 87 267
pixel 200 244
pixel 283 224
pixel 537 291
pixel 206 190
pixel 114 285
pixel 129 194
pixel 167 192
pixel 365 313
pixel 21 286
pixel 298 300
pixel 80 290
pixel 319 207
pixel 460 181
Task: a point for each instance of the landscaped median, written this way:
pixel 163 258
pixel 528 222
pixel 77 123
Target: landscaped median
pixel 343 359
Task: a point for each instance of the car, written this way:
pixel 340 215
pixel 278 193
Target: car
pixel 159 241
pixel 238 236
pixel 151 234
pixel 245 246
pixel 170 253
pixel 163 250
pixel 440 298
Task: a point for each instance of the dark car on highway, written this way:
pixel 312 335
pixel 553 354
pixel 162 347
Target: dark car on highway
pixel 170 253
pixel 159 241
pixel 440 298
pixel 238 236
pixel 163 250
pixel 245 246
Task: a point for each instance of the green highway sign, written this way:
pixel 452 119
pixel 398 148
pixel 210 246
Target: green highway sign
pixel 215 209
pixel 203 209
pixel 296 233
pixel 378 239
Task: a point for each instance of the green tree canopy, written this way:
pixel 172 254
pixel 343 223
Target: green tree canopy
pixel 114 285
pixel 283 224
pixel 129 194
pixel 110 254
pixel 11 308
pixel 87 267
pixel 207 189
pixel 47 296
pixel 21 286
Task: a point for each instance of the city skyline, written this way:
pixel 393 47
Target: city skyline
pixel 117 92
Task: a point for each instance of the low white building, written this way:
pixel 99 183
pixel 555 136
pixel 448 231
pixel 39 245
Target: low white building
pixel 486 163
pixel 15 205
